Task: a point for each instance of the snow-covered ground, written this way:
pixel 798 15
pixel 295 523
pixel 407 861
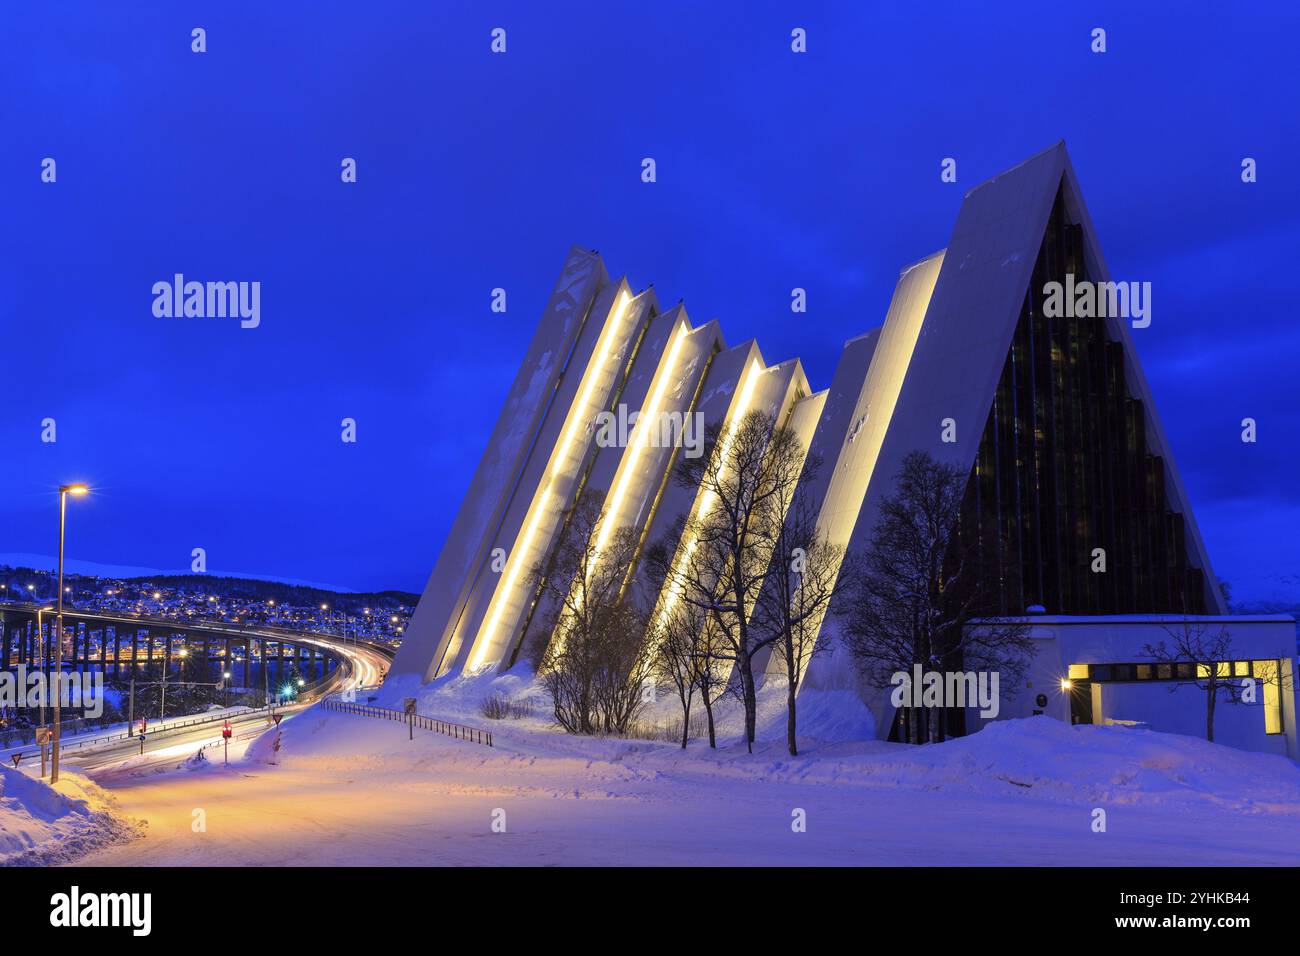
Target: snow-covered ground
pixel 41 825
pixel 343 790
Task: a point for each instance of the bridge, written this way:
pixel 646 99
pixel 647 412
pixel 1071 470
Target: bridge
pixel 123 644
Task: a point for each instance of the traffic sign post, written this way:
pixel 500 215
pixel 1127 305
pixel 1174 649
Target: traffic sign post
pixel 43 741
pixel 225 739
pixel 408 704
pixel 141 736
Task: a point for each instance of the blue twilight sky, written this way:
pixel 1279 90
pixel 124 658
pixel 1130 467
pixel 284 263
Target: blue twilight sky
pixel 476 170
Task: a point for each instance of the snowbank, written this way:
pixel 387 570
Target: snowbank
pixel 44 825
pixel 824 716
pixel 1035 759
pixel 1101 765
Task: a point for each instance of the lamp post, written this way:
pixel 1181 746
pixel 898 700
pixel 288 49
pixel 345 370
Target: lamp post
pixel 45 661
pixel 225 686
pixel 64 491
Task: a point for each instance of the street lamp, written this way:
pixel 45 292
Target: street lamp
pixel 76 491
pixel 45 657
pixel 225 685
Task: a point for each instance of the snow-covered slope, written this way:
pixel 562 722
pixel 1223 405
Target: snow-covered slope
pixel 42 825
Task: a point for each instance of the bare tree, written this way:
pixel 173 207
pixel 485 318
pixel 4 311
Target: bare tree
pixel 745 481
pixel 919 597
pixel 805 574
pixel 675 658
pixel 594 666
pixel 1202 655
pixel 687 646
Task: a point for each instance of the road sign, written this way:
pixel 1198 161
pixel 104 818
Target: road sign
pixel 225 730
pixel 17 757
pixel 277 718
pixel 43 735
pixel 409 704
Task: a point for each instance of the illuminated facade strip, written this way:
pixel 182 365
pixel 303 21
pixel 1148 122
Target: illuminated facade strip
pixel 513 588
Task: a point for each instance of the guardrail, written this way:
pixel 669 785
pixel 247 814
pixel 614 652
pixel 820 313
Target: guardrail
pixel 459 731
pixel 74 743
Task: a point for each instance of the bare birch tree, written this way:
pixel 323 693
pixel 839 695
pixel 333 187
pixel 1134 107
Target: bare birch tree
pixel 804 576
pixel 918 590
pixel 594 666
pixel 746 479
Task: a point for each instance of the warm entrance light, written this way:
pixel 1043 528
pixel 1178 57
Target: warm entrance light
pixel 1066 685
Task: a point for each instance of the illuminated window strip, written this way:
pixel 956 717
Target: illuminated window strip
pixel 706 498
pixel 645 426
pixel 579 415
pixel 517 560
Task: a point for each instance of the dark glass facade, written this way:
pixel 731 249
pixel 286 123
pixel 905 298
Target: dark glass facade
pixel 1064 467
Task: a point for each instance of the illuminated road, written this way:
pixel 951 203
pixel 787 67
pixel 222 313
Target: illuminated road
pixel 361 665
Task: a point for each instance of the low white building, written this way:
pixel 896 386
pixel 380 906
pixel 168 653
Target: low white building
pixel 1095 670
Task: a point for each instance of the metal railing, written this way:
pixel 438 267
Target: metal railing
pixel 78 743
pixel 458 731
